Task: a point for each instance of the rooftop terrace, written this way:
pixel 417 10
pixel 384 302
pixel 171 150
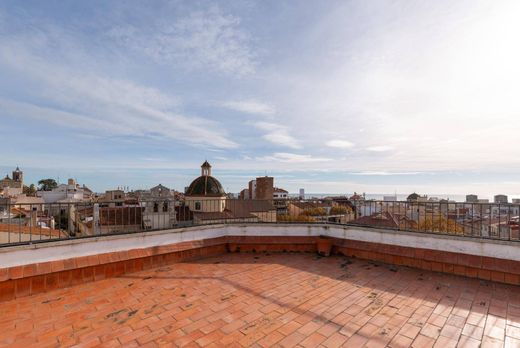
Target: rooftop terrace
pixel 269 299
pixel 401 274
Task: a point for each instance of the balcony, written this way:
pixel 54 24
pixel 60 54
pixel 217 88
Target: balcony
pixel 249 283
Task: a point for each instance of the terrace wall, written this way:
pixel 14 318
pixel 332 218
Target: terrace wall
pixel 31 269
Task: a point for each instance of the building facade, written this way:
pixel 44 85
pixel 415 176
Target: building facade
pixel 500 199
pixel 471 199
pixel 264 188
pixel 252 189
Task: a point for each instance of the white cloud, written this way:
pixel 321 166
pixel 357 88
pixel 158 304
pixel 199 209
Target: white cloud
pixel 202 39
pixel 250 106
pixel 278 135
pixel 60 118
pixel 450 75
pixel 89 102
pixel 342 144
pixel 379 148
pixel 293 158
pixel 435 89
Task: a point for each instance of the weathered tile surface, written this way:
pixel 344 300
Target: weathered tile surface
pixel 265 300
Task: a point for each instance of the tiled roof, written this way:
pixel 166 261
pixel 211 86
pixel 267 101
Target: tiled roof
pixel 34 230
pixel 245 208
pixel 383 219
pixel 264 300
pixel 23 199
pixel 226 214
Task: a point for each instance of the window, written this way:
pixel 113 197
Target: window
pixel 197 205
pixel 165 207
pixel 155 207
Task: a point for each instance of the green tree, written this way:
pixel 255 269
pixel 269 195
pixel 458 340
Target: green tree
pixel 440 224
pixel 47 184
pixel 339 210
pixel 314 212
pixel 29 190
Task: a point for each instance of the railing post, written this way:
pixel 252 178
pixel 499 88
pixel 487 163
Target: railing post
pixel 95 219
pixel 70 221
pixel 32 219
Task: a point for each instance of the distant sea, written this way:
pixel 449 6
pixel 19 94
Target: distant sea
pixel 379 196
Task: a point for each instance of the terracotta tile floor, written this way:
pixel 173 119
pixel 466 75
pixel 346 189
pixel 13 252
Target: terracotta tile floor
pixel 263 300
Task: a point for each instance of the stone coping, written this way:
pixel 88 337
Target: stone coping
pixel 118 254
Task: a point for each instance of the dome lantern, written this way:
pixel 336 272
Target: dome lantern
pixel 205 169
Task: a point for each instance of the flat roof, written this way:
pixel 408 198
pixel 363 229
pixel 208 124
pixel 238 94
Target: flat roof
pixel 263 300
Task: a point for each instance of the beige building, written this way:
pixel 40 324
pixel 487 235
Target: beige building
pixel 112 198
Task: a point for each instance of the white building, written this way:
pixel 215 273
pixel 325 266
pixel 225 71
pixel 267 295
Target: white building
pixel 158 214
pixel 159 208
pixel 65 193
pixel 279 193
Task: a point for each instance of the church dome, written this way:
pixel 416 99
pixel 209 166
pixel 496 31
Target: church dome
pixel 205 185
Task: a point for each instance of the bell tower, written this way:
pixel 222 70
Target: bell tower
pixel 18 175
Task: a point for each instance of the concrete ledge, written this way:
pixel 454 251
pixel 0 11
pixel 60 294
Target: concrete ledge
pixel 30 269
pixel 59 250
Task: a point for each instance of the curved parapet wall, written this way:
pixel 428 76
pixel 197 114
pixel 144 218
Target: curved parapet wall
pixel 31 269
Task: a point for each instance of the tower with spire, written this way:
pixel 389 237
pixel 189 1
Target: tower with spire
pixel 18 175
pixel 12 186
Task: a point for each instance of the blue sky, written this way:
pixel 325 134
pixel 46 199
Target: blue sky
pixel 332 96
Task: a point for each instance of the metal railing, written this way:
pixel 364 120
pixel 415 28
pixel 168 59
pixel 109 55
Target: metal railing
pixel 25 223
pixel 480 220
